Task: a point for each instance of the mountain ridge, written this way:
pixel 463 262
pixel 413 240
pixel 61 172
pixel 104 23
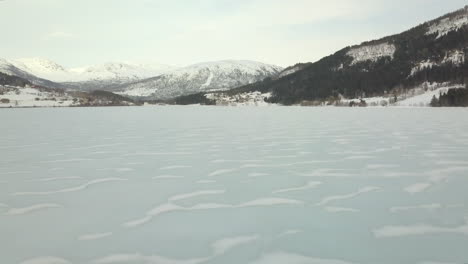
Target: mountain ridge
pixel 206 76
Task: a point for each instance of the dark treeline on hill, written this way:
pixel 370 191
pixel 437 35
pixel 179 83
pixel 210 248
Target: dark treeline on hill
pixel 452 98
pixel 189 99
pixel 102 98
pixel 339 74
pixel 105 95
pixel 16 81
pixel 6 79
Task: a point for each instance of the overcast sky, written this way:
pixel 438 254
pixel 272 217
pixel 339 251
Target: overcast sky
pixel 181 32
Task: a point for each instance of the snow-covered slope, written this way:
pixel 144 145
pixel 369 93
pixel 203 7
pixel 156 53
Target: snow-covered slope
pixel 209 76
pixel 34 97
pixel 9 68
pixel 454 57
pixel 419 96
pixel 444 26
pixel 371 52
pixel 42 68
pixel 118 71
pixel 290 70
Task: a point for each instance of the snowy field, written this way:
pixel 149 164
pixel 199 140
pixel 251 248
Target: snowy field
pixel 273 185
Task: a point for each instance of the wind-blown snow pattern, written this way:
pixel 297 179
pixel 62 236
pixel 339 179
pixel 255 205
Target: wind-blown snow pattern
pixel 371 52
pixel 269 185
pixel 210 76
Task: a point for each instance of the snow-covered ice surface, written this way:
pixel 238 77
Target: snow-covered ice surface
pixel 270 185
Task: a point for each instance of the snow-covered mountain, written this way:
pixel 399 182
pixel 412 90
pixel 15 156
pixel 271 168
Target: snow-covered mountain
pixel 83 78
pixel 9 68
pixel 202 77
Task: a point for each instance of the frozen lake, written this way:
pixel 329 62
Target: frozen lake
pixel 273 185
